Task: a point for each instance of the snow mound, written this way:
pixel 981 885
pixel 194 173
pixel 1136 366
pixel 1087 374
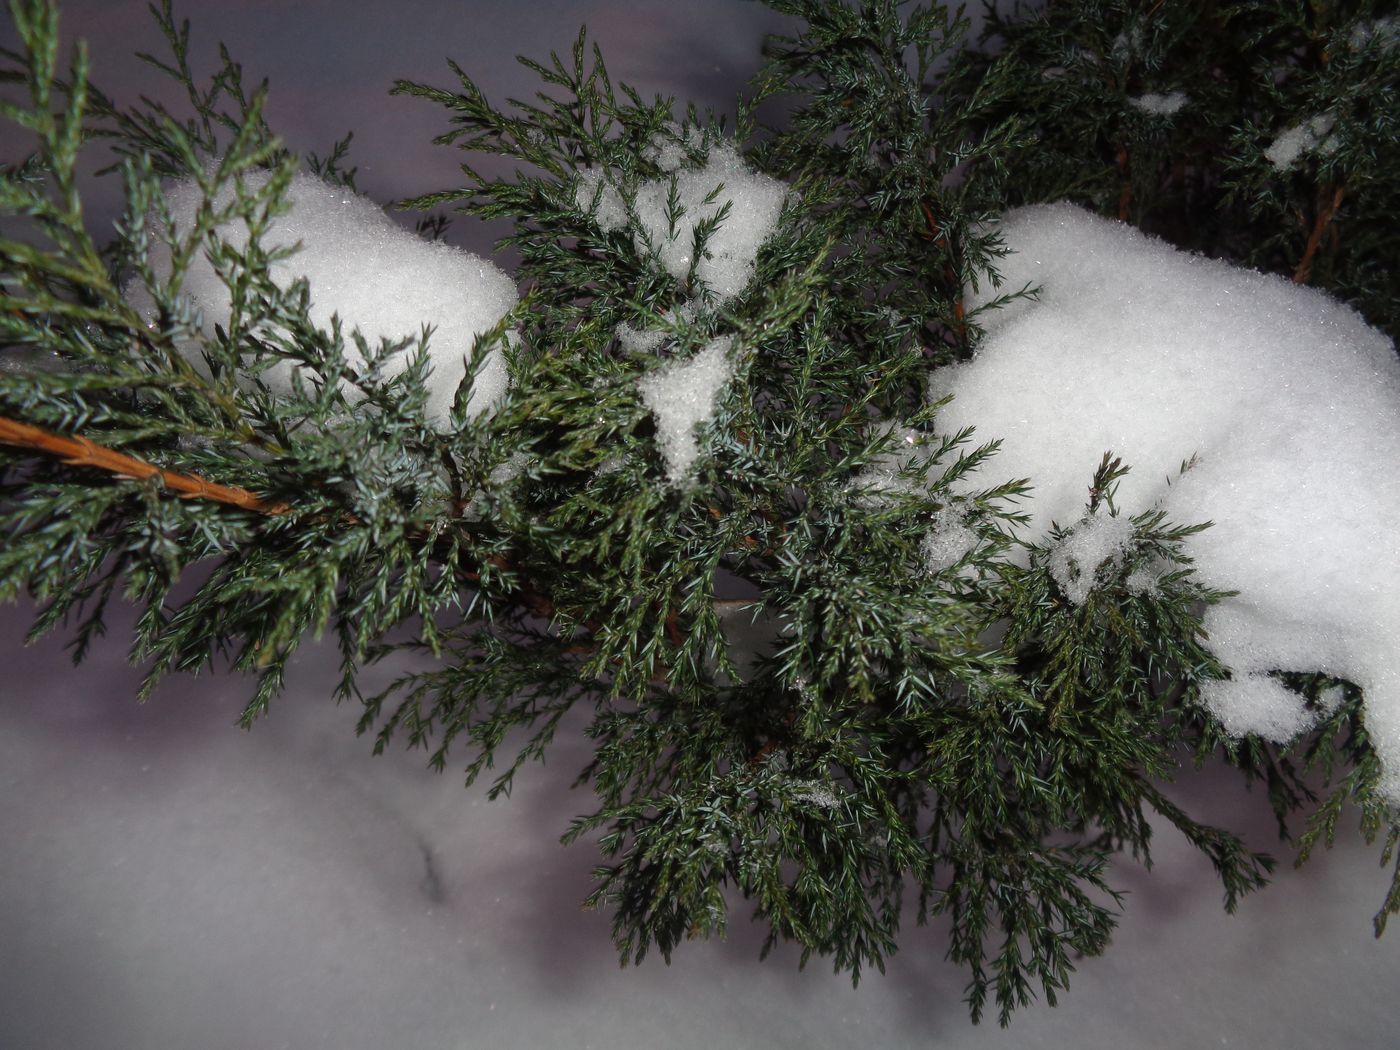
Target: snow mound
pixel 753 202
pixel 683 395
pixel 1290 403
pixel 362 266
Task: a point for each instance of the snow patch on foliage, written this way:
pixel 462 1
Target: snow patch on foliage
pixel 948 542
pixel 1289 403
pixel 670 149
pixel 744 204
pixel 1159 105
pixel 683 395
pixel 1076 559
pixel 1141 581
pixel 1292 143
pixel 361 266
pixel 643 341
pixel 1383 32
pixel 1258 704
pixel 595 196
pixel 751 204
pixel 815 794
pixel 900 468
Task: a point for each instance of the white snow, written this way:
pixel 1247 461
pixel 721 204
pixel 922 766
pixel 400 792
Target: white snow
pixel 1127 44
pixel 1290 403
pixel 906 455
pixel 361 265
pixel 1141 580
pixel 1075 561
pixel 683 395
pixel 1256 703
pixel 669 149
pixel 642 341
pixel 1292 143
pixel 594 191
pixel 171 882
pixel 754 201
pixel 815 794
pixel 1159 105
pixel 1384 32
pixel 1331 698
pixel 949 541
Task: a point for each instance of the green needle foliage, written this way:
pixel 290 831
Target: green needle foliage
pixel 961 744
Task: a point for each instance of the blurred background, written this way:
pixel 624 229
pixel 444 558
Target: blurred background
pixel 169 881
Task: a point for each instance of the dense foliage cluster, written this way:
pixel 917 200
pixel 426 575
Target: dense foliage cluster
pixel 787 697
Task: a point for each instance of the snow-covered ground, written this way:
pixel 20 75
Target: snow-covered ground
pixel 170 882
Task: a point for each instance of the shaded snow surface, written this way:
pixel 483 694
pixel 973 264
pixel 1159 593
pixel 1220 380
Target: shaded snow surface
pixel 366 269
pixel 1289 403
pixel 171 882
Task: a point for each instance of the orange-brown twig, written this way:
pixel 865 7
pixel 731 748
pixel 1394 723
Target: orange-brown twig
pixel 1320 224
pixel 80 452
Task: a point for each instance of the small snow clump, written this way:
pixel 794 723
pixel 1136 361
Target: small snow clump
pixel 668 150
pixel 640 341
pixel 1384 32
pixel 362 266
pixel 1259 704
pixel 1141 580
pixel 881 477
pixel 594 191
pixel 1075 560
pixel 1287 399
pixel 948 542
pixel 815 794
pixel 754 204
pixel 1159 105
pixel 683 395
pixel 1292 143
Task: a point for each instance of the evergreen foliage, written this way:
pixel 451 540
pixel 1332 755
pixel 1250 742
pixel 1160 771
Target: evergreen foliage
pixel 961 741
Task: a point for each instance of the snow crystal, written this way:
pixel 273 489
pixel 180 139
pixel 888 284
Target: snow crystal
pixel 668 150
pixel 359 264
pixel 1159 105
pixel 1128 44
pixel 594 195
pixel 948 542
pixel 907 455
pixel 1141 581
pixel 754 203
pixel 638 341
pixel 1302 138
pixel 682 395
pixel 1331 698
pixel 814 794
pixel 1382 31
pixel 1257 704
pixel 1289 402
pixel 1075 561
